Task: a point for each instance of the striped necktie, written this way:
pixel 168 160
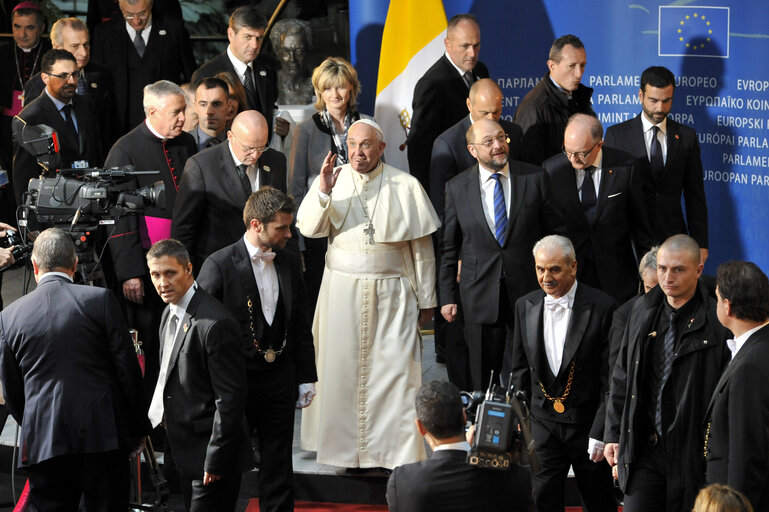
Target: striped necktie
pixel 500 211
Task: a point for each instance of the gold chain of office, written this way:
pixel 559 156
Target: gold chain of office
pixel 558 402
pixel 270 354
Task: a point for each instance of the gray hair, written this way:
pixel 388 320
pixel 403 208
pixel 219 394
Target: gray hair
pixel 649 261
pixel 160 89
pixel 75 24
pixel 592 122
pixel 556 242
pixel 54 249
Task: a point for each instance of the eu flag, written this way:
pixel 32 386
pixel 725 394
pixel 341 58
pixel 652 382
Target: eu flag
pixel 693 31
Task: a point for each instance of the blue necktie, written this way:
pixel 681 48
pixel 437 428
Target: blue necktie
pixel 500 211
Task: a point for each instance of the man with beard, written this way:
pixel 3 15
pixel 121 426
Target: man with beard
pixel 668 159
pixel 489 231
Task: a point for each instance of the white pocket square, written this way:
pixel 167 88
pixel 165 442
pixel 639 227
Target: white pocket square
pixel 614 195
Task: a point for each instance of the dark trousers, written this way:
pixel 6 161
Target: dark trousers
pixel 314 263
pixel 647 486
pixel 560 445
pixel 218 496
pixel 56 485
pixel 486 343
pixel 272 395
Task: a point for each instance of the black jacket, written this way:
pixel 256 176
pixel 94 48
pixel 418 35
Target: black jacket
pixel 542 115
pixel 700 358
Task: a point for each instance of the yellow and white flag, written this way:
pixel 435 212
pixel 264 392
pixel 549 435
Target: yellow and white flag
pixel 411 42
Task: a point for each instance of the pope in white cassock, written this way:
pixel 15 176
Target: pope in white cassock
pixel 378 286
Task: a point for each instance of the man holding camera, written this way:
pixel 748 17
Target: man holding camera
pixel 446 482
pixel 559 359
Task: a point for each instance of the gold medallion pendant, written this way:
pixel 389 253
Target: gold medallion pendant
pixel 269 356
pixel 557 405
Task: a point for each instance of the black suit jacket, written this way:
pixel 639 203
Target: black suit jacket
pixel 450 156
pixel 265 81
pixel 447 483
pixel 70 373
pixel 467 237
pixel 438 104
pixel 87 145
pixel 738 416
pixel 682 174
pixel 620 220
pixel 208 214
pixel 100 91
pixel 145 152
pixel 168 56
pixel 587 344
pixel 205 393
pixel 228 275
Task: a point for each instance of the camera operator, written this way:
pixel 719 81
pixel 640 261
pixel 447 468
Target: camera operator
pixel 73 383
pixel 6 256
pixel 445 481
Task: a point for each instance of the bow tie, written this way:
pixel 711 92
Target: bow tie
pixel 263 256
pixel 553 303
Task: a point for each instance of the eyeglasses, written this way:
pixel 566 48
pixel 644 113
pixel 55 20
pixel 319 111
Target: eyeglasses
pixel 75 75
pixel 579 154
pixel 248 149
pixel 138 15
pixel 488 142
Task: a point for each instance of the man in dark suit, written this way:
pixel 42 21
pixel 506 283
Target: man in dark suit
pixel 73 117
pixel 450 157
pixel 95 80
pixel 441 93
pixel 261 284
pixel 736 436
pixel 72 381
pixel 544 111
pixel 494 211
pixel 671 358
pixel 446 482
pixel 243 59
pixel 559 359
pixel 157 144
pixel 201 391
pixel 598 191
pixel 668 159
pixel 210 105
pixel 217 182
pixel 141 48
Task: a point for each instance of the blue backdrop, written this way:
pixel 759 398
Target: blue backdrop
pixel 718 49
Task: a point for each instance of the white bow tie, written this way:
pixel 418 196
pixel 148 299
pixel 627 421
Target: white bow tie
pixel 263 256
pixel 552 303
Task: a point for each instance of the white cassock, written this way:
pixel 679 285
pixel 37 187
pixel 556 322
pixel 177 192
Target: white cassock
pixel 367 341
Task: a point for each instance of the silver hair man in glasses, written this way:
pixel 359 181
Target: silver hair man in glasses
pixel 599 191
pixel 217 183
pixel 495 211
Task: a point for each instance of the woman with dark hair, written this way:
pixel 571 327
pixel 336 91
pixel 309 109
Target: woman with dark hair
pixel 336 88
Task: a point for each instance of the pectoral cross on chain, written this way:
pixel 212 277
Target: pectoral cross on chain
pixel 370 232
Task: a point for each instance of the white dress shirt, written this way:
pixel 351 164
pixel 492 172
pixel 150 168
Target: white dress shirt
pixel 661 136
pixel 556 324
pixel 461 445
pixel 145 32
pixel 240 66
pixel 487 193
pixel 736 344
pixel 596 176
pixel 266 281
pixel 51 274
pixel 251 171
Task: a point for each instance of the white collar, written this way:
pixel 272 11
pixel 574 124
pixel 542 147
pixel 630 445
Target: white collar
pixel 180 307
pixel 459 70
pixel 736 344
pixel 153 130
pixel 569 295
pixel 647 125
pixel 52 274
pixel 252 249
pixel 234 158
pixel 58 104
pixel 239 65
pixel 486 173
pixel 461 445
pixel 132 31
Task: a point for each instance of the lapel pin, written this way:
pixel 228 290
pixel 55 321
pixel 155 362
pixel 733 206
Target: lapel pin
pixel 94 85
pixel 262 73
pixel 162 32
pixel 611 171
pixel 186 327
pixel 652 334
pixel 676 136
pixel 266 168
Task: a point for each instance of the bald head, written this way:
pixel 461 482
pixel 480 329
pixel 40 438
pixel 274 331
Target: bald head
pixel 485 100
pixel 678 269
pixel 582 140
pixel 684 244
pixel 248 136
pixel 480 128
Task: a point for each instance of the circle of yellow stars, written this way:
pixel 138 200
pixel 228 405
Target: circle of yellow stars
pixel 694 17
